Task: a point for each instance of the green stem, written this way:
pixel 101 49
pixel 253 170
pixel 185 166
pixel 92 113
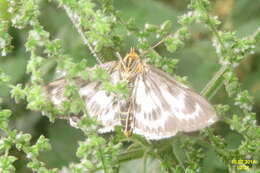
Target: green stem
pixel 145 157
pixel 126 156
pixel 178 158
pixel 102 160
pixel 130 155
pixel 215 83
pixel 75 21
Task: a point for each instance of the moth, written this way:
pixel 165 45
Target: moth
pixel 158 105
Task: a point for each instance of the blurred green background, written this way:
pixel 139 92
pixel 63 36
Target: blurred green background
pixel 197 60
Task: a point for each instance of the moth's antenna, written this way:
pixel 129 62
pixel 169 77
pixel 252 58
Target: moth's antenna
pixel 155 45
pixel 132 50
pixel 120 59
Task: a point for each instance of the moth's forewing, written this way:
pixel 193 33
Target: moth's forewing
pixel 163 106
pixel 105 106
pixel 98 102
pixel 55 90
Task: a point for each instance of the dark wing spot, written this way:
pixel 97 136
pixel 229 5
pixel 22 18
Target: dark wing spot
pixel 190 104
pixel 171 124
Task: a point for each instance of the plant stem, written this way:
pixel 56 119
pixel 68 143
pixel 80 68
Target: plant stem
pixel 130 155
pixel 215 83
pixel 145 157
pixel 102 160
pixel 75 21
pixel 178 158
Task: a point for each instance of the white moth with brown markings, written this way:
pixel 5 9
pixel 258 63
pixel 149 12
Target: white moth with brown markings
pixel 158 105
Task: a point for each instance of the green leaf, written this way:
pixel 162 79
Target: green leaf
pixel 99 74
pixel 18 93
pixel 4 115
pixel 173 43
pixel 5 38
pixel 6 164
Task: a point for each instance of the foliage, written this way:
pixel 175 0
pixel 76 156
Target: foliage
pixel 103 30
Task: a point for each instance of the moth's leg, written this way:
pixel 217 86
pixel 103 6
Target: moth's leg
pixel 124 111
pixel 133 120
pixel 128 131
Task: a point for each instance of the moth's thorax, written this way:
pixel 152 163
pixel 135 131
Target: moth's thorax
pixel 131 66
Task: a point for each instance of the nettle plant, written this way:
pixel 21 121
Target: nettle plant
pixel 100 27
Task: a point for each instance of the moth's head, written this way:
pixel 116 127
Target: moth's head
pixel 131 65
pixel 132 55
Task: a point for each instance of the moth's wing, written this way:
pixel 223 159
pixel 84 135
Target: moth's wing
pixel 104 106
pixel 98 102
pixel 163 106
pixel 54 91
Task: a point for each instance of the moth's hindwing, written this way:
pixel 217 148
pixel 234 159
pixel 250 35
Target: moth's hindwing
pixel 163 106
